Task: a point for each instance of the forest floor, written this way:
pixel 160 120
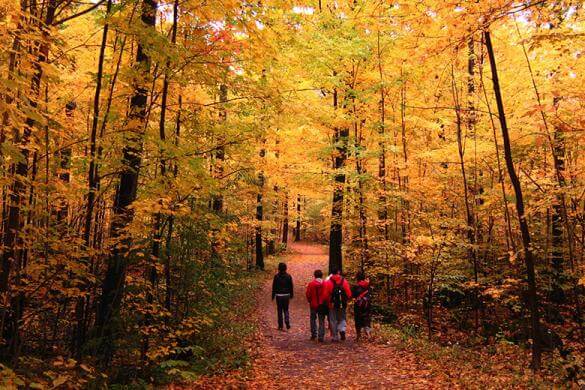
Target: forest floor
pixel 290 360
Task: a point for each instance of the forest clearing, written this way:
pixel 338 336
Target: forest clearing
pixel 159 160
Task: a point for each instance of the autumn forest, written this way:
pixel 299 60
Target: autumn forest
pixel 159 158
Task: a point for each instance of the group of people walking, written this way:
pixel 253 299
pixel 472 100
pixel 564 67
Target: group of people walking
pixel 328 299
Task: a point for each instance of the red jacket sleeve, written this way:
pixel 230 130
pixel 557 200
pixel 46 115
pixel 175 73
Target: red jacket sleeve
pixel 308 292
pixel 347 288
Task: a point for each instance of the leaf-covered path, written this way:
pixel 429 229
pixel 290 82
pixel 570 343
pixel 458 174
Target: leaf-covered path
pixel 290 360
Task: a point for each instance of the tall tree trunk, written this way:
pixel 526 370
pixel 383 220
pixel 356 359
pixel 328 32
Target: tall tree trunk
pixel 469 216
pixel 298 220
pixel 510 243
pixel 92 180
pixel 260 217
pixel 17 198
pixel 382 198
pixel 559 214
pixel 217 200
pixel 532 296
pixel 122 215
pixel 64 174
pixel 157 229
pixel 362 216
pixel 285 220
pixel 271 247
pixel 472 216
pixel 403 185
pixel 168 248
pixel 340 137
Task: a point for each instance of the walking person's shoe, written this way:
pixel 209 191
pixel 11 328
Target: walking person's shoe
pixel 342 335
pixel 313 337
pixel 320 339
pixel 287 326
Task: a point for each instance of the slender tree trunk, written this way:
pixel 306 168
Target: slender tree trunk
pixel 217 200
pixel 115 278
pixel 92 179
pixel 336 229
pixel 64 174
pixel 469 216
pixel 157 229
pixel 271 247
pixel 285 220
pixel 258 237
pixel 260 217
pixel 557 254
pixel 532 296
pixel 382 198
pixel 403 184
pixel 362 217
pixel 168 248
pixel 510 243
pixel 17 197
pixel 298 220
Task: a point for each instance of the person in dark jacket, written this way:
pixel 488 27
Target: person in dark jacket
pixel 283 292
pixel 362 309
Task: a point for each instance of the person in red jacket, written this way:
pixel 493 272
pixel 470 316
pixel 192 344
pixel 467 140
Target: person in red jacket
pixel 337 294
pixel 315 290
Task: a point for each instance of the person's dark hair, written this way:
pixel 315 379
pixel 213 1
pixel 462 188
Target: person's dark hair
pixel 281 267
pixel 318 274
pixel 360 276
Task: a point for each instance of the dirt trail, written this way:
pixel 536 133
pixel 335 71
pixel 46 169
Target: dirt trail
pixel 290 360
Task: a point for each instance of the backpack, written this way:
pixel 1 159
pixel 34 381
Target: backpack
pixel 362 302
pixel 338 296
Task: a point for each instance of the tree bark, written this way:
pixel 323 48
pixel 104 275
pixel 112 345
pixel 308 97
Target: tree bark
pixel 17 197
pixel 217 199
pixel 382 198
pixel 285 220
pixel 122 215
pixel 298 220
pixel 469 214
pixel 340 137
pixel 92 179
pixel 259 218
pixel 532 296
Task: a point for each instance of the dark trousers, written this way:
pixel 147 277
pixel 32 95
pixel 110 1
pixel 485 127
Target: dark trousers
pixel 314 329
pixel 282 310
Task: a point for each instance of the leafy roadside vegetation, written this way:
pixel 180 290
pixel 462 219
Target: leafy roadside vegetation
pixel 223 342
pixel 220 344
pixel 501 364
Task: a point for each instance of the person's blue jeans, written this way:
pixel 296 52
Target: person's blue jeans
pixel 282 302
pixel 321 329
